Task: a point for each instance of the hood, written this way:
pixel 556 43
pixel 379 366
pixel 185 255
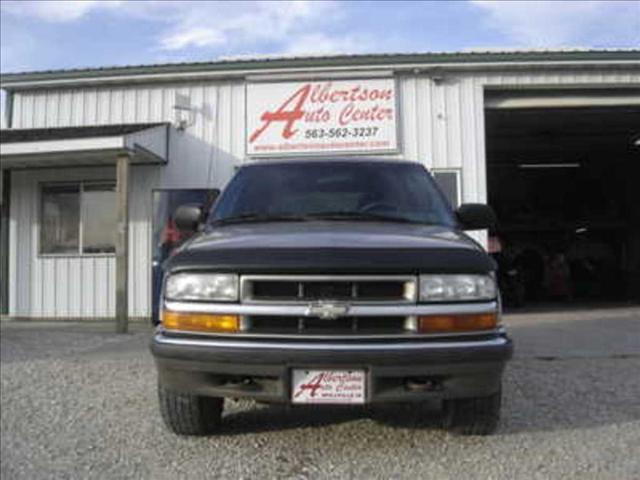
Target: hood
pixel 332 247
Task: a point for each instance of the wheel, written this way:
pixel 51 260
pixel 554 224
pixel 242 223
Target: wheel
pixel 187 414
pixel 473 416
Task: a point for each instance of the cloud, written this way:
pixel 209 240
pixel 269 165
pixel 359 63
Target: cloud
pixel 196 36
pixel 56 11
pixel 235 24
pixel 298 26
pixel 180 30
pixel 554 23
pixel 200 30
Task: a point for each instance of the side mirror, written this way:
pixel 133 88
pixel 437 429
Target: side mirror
pixel 187 218
pixel 476 216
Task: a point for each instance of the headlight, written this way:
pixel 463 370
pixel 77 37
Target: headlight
pixel 452 288
pixel 222 287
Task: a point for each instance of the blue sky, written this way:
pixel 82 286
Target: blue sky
pixel 59 34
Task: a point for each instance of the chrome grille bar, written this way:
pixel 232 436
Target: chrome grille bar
pixel 356 310
pixel 407 286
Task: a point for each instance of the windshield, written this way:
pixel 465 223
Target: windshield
pixel 333 190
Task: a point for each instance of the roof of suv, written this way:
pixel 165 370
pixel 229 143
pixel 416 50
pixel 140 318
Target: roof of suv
pixel 355 159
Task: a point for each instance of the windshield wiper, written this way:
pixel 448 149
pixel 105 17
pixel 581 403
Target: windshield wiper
pixel 258 217
pixel 365 216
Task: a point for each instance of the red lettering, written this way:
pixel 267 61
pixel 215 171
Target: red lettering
pixel 319 115
pixel 320 93
pixel 345 115
pixel 313 385
pixel 283 115
pixel 351 114
pixel 292 110
pixel 338 96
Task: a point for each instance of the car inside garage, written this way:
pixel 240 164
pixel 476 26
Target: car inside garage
pixel 563 174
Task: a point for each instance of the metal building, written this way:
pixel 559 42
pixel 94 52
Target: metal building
pixel 184 126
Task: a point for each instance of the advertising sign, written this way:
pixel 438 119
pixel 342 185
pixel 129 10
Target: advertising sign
pixel 321 117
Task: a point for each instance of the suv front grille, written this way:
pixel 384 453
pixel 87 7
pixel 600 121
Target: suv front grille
pixel 304 289
pixel 286 325
pixel 316 291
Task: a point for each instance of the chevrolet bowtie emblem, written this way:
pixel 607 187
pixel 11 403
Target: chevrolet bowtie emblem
pixel 327 310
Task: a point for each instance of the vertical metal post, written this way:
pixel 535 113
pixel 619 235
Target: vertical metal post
pixel 5 188
pixel 122 243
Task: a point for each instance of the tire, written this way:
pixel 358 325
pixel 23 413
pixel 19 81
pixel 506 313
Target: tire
pixel 473 416
pixel 186 414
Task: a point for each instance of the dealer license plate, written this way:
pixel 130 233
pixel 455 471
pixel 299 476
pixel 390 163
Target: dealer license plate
pixel 328 386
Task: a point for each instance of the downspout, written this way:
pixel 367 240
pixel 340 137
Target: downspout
pixel 8 109
pixel 5 195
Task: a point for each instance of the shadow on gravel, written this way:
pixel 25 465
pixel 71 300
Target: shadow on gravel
pixel 276 418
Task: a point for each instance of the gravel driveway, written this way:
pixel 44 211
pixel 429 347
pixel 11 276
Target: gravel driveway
pixel 80 402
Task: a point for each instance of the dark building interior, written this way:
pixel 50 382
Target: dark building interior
pixel 565 184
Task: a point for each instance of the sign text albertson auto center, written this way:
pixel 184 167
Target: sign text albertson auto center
pixel 313 117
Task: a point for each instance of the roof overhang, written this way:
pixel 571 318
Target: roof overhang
pixel 247 67
pixel 84 146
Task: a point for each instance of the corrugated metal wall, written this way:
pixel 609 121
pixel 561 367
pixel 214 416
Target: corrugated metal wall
pixel 56 285
pixel 442 125
pixel 204 155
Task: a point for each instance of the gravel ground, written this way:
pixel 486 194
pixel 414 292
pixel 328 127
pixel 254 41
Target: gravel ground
pixel 80 402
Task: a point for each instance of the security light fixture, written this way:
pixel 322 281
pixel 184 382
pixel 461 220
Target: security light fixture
pixel 184 112
pixel 548 165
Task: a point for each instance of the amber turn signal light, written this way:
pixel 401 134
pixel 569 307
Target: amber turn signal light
pixel 200 322
pixel 456 323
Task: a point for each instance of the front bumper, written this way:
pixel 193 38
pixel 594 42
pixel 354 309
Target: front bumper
pixel 246 368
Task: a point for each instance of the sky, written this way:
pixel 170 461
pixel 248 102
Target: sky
pixel 69 34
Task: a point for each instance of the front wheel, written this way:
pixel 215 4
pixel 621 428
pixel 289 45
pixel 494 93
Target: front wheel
pixel 187 414
pixel 473 416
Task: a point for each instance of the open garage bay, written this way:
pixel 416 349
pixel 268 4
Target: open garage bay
pixel 564 183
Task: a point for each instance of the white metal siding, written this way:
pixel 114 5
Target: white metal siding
pixel 202 156
pixel 443 127
pixel 61 286
pixel 441 124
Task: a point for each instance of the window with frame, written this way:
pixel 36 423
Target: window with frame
pixel 449 182
pixel 78 218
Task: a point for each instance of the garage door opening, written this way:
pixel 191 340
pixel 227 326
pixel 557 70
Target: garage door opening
pixel 565 184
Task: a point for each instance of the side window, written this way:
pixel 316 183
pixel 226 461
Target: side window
pixel 448 180
pixel 60 219
pixel 78 218
pixel 99 218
